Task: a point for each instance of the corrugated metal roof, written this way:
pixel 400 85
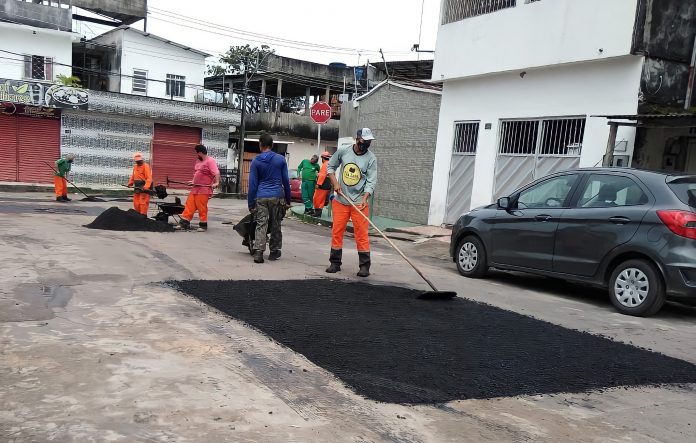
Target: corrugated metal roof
pixel 648 116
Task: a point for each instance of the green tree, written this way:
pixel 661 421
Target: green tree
pixel 69 81
pixel 242 60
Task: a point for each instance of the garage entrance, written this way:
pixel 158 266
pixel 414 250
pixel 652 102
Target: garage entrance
pixel 173 153
pixel 26 142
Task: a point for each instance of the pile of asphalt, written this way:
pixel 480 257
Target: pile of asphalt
pixel 390 347
pixel 92 199
pixel 115 219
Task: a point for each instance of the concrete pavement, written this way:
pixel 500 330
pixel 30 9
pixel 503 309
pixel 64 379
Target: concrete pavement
pixel 94 348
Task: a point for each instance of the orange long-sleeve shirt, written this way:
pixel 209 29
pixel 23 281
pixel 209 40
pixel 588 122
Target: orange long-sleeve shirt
pixel 141 173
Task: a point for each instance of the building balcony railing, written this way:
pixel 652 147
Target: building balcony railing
pixel 457 10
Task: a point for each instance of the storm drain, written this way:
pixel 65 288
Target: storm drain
pixel 390 347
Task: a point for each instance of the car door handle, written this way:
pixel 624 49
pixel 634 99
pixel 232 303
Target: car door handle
pixel 543 218
pixel 620 220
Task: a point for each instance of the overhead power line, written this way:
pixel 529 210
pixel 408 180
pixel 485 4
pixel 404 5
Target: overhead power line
pixel 218 29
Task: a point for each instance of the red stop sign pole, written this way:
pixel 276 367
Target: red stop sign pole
pixel 321 114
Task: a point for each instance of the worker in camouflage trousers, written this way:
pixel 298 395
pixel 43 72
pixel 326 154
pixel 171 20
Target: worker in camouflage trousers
pixel 268 198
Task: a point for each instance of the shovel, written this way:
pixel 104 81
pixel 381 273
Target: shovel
pixel 88 198
pixel 186 184
pixel 425 295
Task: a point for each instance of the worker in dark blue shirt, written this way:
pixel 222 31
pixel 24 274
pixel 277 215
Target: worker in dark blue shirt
pixel 268 198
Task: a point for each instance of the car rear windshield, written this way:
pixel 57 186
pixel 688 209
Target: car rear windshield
pixel 684 188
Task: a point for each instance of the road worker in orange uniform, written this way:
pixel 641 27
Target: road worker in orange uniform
pixel 60 180
pixel 205 178
pixel 323 185
pixel 141 180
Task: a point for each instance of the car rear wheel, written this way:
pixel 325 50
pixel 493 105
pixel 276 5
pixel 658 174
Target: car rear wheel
pixel 636 288
pixel 471 258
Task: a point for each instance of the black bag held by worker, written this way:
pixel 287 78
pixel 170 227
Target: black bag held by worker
pixel 246 228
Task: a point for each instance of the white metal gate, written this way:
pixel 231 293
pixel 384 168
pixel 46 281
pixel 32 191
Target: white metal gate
pixel 531 149
pixel 461 177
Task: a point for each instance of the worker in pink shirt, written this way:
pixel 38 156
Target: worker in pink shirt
pixel 205 178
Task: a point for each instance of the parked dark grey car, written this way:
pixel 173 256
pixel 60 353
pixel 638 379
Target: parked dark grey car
pixel 631 231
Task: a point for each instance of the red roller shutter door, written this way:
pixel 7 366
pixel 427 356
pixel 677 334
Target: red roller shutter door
pixel 8 148
pixel 173 155
pixel 39 142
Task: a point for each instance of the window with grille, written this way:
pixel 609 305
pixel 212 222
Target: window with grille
pixel 562 137
pixel 140 82
pixel 456 10
pixel 519 137
pixel 465 138
pixel 38 67
pixel 556 137
pixel 176 85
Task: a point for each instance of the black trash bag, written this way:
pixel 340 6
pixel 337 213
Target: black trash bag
pixel 246 228
pixel 161 192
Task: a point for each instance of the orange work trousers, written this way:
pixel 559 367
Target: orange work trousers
pixel 320 198
pixel 61 185
pixel 141 202
pixel 196 202
pixel 341 214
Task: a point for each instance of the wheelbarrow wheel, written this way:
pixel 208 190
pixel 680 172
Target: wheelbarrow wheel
pixel 162 216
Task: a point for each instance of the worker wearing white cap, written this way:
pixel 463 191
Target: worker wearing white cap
pixel 353 173
pixel 141 180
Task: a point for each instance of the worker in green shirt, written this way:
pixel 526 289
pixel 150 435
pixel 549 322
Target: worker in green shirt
pixel 308 171
pixel 60 180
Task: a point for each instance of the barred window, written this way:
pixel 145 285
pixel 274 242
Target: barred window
pixel 139 81
pixel 519 136
pixel 558 137
pixel 456 10
pixel 465 138
pixel 562 136
pixel 38 67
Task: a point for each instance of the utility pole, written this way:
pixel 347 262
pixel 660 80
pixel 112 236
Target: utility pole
pixel 240 147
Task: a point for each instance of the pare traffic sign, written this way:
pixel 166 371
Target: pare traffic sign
pixel 320 112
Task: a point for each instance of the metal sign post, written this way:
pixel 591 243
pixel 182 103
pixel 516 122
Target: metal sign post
pixel 320 113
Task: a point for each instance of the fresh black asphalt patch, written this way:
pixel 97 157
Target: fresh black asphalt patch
pixel 115 219
pixel 390 347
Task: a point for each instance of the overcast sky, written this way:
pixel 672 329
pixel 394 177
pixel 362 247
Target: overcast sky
pixel 392 25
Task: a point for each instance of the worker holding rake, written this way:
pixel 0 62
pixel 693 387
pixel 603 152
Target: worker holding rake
pixel 141 181
pixel 60 180
pixel 357 177
pixel 205 179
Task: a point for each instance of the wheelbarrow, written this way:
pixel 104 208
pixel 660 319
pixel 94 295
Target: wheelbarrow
pixel 173 210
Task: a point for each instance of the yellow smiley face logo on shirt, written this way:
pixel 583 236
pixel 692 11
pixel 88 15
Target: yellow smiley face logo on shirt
pixel 351 174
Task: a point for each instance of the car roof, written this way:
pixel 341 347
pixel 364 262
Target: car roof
pixel 636 171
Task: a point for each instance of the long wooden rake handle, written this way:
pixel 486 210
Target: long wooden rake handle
pixel 415 268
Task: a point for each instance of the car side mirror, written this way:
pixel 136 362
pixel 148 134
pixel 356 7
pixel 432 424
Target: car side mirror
pixel 504 203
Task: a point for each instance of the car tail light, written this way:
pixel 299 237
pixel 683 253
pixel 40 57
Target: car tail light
pixel 682 223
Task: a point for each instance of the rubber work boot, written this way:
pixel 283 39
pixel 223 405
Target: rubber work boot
pixel 60 200
pixel 274 255
pixel 202 227
pixel 364 262
pixel 258 257
pixel 335 260
pixel 317 213
pixel 183 225
pixel 66 199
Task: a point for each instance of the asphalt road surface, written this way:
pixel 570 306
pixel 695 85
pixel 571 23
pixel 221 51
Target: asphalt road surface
pixel 93 347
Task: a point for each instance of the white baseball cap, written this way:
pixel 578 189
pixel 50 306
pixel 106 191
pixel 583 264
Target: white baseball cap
pixel 366 134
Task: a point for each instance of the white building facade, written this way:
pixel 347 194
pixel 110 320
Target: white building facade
pixel 34 53
pixel 524 82
pixel 152 66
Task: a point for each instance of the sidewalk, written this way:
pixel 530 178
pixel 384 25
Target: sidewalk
pixel 396 229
